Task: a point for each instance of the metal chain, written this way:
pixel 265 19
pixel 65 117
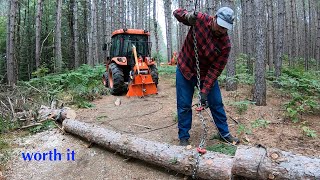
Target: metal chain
pixel 201 117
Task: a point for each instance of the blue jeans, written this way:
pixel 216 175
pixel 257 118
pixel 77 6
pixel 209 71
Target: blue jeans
pixel 185 90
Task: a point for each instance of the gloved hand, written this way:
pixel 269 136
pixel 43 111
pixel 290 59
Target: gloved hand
pixel 192 17
pixel 204 100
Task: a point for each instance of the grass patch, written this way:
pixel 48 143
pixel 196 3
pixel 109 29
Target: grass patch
pixel 166 70
pixel 5 152
pixel 223 148
pixel 44 126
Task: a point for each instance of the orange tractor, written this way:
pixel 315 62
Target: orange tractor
pixel 129 66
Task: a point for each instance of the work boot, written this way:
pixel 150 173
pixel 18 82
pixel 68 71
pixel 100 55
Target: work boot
pixel 184 142
pixel 230 139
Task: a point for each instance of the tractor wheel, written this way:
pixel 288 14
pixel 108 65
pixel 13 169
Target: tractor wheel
pixel 116 80
pixel 154 74
pixel 105 79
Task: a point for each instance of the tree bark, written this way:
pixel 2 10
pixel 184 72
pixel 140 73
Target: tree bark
pixel 249 162
pixel 168 18
pixel 280 38
pixel 270 35
pixel 57 40
pixel 76 35
pixel 11 63
pixel 212 165
pixel 261 163
pixel 260 89
pixel 231 84
pixel 38 32
pixel 318 38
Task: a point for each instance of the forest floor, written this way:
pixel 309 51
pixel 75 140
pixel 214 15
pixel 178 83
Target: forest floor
pixel 154 118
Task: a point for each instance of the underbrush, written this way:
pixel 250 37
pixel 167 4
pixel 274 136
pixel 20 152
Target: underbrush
pixel 20 104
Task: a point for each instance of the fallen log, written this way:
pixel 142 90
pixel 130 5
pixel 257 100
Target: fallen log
pixel 262 163
pixel 249 162
pixel 212 165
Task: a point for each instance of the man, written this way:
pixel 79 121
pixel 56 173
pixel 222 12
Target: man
pixel 213 45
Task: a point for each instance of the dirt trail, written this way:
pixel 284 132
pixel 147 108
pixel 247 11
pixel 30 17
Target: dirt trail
pixel 153 118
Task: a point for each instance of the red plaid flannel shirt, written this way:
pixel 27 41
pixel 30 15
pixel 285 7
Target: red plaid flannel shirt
pixel 213 51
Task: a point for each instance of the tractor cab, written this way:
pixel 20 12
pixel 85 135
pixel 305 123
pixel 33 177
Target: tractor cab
pixel 121 59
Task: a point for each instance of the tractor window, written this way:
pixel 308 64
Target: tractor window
pixel 122 45
pixel 115 47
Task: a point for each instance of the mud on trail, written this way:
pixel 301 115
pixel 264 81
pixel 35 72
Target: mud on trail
pixel 154 118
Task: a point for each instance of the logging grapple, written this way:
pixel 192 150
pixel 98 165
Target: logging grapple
pixel 129 66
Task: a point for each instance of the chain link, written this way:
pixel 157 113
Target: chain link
pixel 201 117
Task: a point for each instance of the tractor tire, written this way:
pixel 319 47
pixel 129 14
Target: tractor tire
pixel 154 74
pixel 105 79
pixel 116 80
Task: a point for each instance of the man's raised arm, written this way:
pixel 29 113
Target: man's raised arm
pixel 187 18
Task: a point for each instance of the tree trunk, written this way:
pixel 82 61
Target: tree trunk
pixel 104 28
pixel 249 162
pixel 250 34
pixel 280 38
pixel 76 35
pixel 261 163
pixel 94 27
pixel 168 18
pixel 244 26
pixel 38 32
pixel 57 40
pixel 155 24
pixel 71 63
pixel 293 31
pixel 318 38
pixel 11 63
pixel 270 35
pixel 212 165
pixel 306 45
pixel 260 90
pixel 90 36
pixel 231 65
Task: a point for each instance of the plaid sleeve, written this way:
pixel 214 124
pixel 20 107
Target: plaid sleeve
pixel 215 70
pixel 183 16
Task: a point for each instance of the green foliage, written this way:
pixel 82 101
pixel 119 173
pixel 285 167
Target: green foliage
pixel 242 129
pixel 7 125
pixel 223 148
pixel 41 72
pixel 5 152
pixel 309 132
pixel 241 106
pixel 169 70
pixel 260 123
pixel 242 72
pixel 3 34
pixel 83 85
pixel 304 90
pixel 44 126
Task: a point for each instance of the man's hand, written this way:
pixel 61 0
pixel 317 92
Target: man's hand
pixel 192 17
pixel 204 100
